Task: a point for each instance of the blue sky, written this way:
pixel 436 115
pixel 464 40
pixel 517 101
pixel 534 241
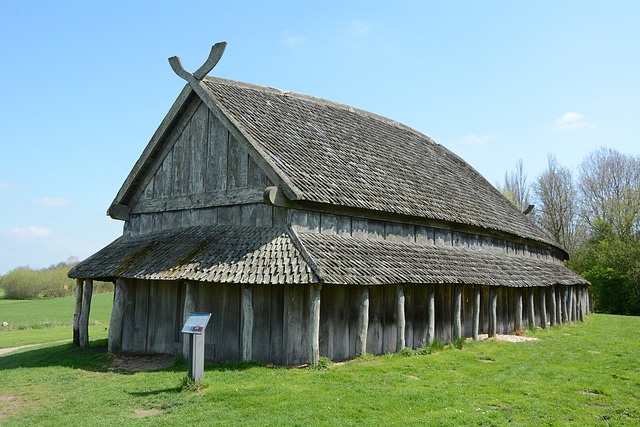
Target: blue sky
pixel 85 84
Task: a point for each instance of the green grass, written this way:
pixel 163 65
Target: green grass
pixel 578 374
pixel 49 319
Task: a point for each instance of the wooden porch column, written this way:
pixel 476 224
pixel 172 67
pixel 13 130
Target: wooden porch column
pixel 532 314
pixel 431 314
pixel 77 313
pixel 493 305
pixel 552 305
pixel 457 312
pixel 114 343
pixel 190 302
pixel 518 319
pixel 543 308
pixel 559 304
pixel 314 325
pixel 400 343
pixel 475 326
pixel 363 321
pixel 84 315
pixel 247 322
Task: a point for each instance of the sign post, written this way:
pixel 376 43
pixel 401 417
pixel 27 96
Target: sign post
pixel 194 327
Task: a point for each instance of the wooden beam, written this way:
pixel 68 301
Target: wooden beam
pixel 457 312
pixel 543 308
pixel 190 304
pixel 493 305
pixel 552 305
pixel 117 211
pixel 532 314
pixel 244 196
pixel 78 311
pixel 247 322
pixel 477 290
pixel 431 314
pixel 401 324
pixel 114 343
pixel 84 315
pixel 363 321
pixel 518 315
pixel 314 325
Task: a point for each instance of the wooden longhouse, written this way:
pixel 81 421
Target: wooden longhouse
pixel 310 228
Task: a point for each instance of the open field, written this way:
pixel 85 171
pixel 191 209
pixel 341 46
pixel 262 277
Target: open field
pixel 577 374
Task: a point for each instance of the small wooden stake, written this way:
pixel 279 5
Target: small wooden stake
pixel 247 323
pixel 431 313
pixel 77 313
pixel 363 321
pixel 401 318
pixel 476 312
pixel 457 312
pixel 314 326
pixel 493 305
pixel 114 343
pixel 84 315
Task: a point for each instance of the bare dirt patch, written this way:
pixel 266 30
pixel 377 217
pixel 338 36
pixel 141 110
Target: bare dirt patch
pixel 10 405
pixel 508 338
pixel 140 362
pixel 587 393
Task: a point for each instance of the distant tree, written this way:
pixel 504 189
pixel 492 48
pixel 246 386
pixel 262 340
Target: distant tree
pixel 557 204
pixel 516 187
pixel 609 184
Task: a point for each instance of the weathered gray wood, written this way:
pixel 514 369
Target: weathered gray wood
pixel 431 314
pixel 376 315
pixel 493 294
pixel 532 317
pixel 85 312
pixel 574 303
pixel 314 325
pixel 241 196
pixel 277 325
pixel 565 305
pixel 424 235
pixel 409 316
pixel 247 323
pixel 477 290
pixel 559 304
pixel 457 311
pixel 128 323
pixel 293 325
pixel 216 176
pixel 543 308
pixel 363 322
pixel 190 304
pixel 518 316
pixel 198 146
pixel 552 305
pixel 114 342
pixel 78 311
pixel 237 165
pixel 389 319
pixel 400 319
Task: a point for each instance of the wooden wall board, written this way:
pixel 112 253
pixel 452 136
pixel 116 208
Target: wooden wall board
pixel 389 318
pixel 376 315
pixel 419 315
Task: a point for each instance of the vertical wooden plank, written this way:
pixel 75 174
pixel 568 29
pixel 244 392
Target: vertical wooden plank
pixel 84 314
pixel 181 163
pixel 326 322
pixel 314 325
pixel 457 312
pixel 237 165
pixel 343 225
pixel 277 325
pixel 552 305
pixel 420 308
pixel 425 235
pixel 328 224
pixel 574 302
pixel 141 315
pixel 163 179
pixel 444 314
pixel 363 321
pixel 231 348
pixel 190 303
pixel 216 175
pixel 264 215
pixel 400 319
pixel 128 323
pixel 248 215
pixel 261 328
pixel 78 311
pixel 247 323
pixel 396 232
pixel 280 217
pixel 532 317
pixel 198 149
pixel 152 326
pixel 256 178
pixel 493 294
pixel 389 325
pixel 376 314
pixel 171 220
pixel 409 312
pixel 467 310
pixel 565 304
pixel 295 325
pixel 518 317
pixel 543 308
pixel 431 314
pixel 477 290
pixel 442 237
pixel 340 303
pixel 188 218
pixel 229 215
pixel 114 342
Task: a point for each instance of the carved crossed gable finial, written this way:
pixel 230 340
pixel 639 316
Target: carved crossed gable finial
pixel 214 56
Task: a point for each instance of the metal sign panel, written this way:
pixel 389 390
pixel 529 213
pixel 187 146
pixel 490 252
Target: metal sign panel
pixel 196 323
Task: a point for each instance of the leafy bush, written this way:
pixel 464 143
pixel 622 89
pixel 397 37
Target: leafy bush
pixel 25 283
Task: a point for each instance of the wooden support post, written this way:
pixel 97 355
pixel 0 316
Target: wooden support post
pixel 190 303
pixel 475 326
pixel 552 305
pixel 401 324
pixel 518 319
pixel 363 321
pixel 314 325
pixel 543 308
pixel 574 304
pixel 565 305
pixel 431 314
pixel 532 314
pixel 114 343
pixel 457 312
pixel 583 304
pixel 84 315
pixel 559 304
pixel 77 313
pixel 493 305
pixel 247 322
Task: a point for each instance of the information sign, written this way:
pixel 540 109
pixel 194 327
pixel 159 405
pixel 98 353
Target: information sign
pixel 196 323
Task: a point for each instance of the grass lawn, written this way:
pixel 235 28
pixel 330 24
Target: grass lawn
pixel 49 319
pixel 578 374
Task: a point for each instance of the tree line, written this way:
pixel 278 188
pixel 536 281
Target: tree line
pixel 594 214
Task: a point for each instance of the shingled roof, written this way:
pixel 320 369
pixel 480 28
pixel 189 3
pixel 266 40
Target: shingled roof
pixel 330 153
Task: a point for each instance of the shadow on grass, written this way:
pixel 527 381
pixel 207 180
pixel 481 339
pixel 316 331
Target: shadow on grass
pixel 62 354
